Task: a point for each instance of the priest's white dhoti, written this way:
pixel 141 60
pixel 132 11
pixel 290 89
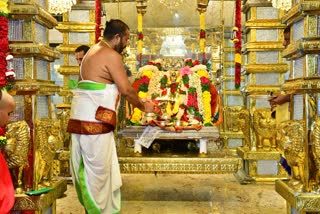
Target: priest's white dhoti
pixel 94 162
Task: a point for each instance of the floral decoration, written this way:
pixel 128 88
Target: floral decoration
pixel 156 63
pixel 237 44
pixel 188 93
pixel 98 19
pixel 3 139
pixel 141 86
pixel 191 63
pixel 4 43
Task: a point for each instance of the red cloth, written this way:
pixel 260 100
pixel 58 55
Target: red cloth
pixel 6 187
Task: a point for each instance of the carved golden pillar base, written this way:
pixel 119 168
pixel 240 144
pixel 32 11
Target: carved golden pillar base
pixel 42 203
pixel 260 166
pixel 298 202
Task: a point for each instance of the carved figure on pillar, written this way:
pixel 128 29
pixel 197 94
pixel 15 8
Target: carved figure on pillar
pixel 16 151
pixel 49 140
pixel 291 144
pixel 264 127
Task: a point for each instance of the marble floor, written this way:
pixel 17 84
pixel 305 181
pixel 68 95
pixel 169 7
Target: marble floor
pixel 187 194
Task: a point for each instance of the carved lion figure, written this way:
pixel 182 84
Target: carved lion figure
pixel 291 144
pixel 17 149
pixel 49 139
pixel 264 127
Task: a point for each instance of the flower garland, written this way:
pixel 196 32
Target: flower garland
pixel 141 85
pixel 195 99
pixel 206 95
pixel 98 19
pixel 237 44
pixel 3 139
pixel 4 43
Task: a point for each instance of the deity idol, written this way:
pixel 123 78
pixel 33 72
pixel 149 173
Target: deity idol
pixel 186 96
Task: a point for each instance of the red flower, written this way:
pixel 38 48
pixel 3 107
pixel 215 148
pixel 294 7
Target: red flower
pixel 192 101
pixel 202 34
pixel 145 80
pixel 164 92
pixel 140 36
pixel 184 117
pixel 2 131
pixel 204 80
pixel 196 62
pixel 136 84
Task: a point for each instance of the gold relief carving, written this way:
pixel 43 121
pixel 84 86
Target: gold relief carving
pixel 25 203
pixel 28 30
pixel 291 144
pixel 232 113
pixel 41 87
pixel 28 68
pixel 302 47
pixel 312 65
pixel 244 124
pixel 179 165
pixel 68 70
pixel 42 202
pixel 264 127
pixel 16 150
pixel 315 145
pixel 27 11
pixel 48 140
pixel 310 45
pixel 263 46
pixel 266 68
pixel 67 48
pixel 302 85
pixel 35 50
pixel 312 23
pixel 302 202
pixel 76 27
